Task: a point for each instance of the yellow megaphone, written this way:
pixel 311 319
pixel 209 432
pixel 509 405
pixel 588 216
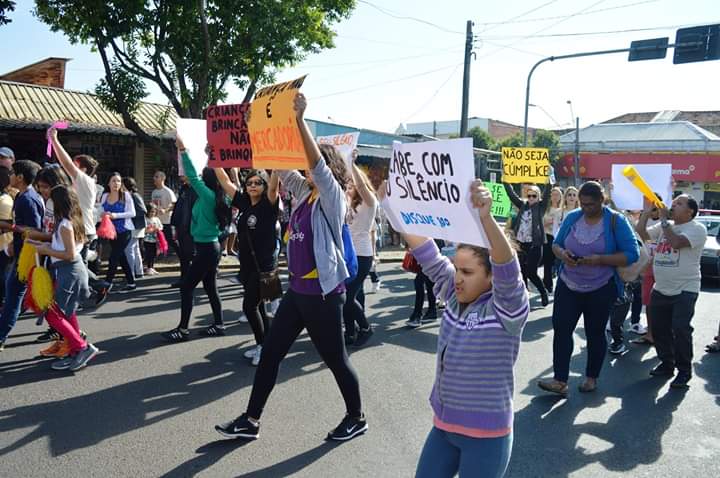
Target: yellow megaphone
pixel 634 177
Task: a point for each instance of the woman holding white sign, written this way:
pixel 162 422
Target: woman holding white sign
pixel 530 234
pixel 315 298
pixel 486 309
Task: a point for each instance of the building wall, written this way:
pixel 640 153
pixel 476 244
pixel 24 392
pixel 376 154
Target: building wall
pixel 46 73
pixel 501 130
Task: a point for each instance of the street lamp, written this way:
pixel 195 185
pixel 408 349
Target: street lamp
pixel 572 113
pixel 546 114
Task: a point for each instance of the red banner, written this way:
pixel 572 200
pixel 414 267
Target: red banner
pixel 228 137
pixel 685 167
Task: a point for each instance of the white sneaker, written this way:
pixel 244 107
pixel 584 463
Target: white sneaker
pixel 256 358
pixel 242 318
pixel 374 287
pixel 250 353
pixel 638 329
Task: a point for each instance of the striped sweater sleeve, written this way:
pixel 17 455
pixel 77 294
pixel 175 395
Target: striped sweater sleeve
pixel 436 266
pixel 510 297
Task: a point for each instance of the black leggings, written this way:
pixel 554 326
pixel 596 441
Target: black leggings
pixel 422 284
pixel 252 305
pixel 203 268
pixel 548 262
pixel 118 257
pixel 529 263
pixel 150 254
pixel 322 317
pixel 354 308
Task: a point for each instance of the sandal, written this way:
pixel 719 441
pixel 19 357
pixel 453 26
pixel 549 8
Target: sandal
pixel 214 330
pixel 642 340
pixel 553 386
pixel 587 386
pixel 713 347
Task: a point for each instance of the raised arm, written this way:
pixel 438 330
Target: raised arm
pixel 514 198
pixel 367 195
pixel 227 185
pixel 312 152
pixel 273 190
pixel 62 155
pixel 196 181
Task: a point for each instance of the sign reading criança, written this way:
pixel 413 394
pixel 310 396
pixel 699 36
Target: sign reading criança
pixel 228 136
pixel 274 132
pixel 526 165
pixel 428 191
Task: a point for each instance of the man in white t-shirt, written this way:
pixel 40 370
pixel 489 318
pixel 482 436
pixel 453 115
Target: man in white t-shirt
pixel 81 170
pixel 164 199
pixel 677 285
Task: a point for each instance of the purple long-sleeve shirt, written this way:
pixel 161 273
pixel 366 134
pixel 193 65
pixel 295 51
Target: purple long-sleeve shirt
pixel 477 350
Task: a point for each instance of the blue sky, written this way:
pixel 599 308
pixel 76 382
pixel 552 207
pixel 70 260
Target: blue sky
pixel 386 70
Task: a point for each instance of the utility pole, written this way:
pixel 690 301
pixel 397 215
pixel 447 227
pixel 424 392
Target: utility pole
pixel 466 80
pixel 577 151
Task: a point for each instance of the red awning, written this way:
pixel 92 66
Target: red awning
pixel 686 166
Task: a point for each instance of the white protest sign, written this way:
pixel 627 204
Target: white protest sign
pixel 345 144
pixel 194 136
pixel 428 191
pixel 627 196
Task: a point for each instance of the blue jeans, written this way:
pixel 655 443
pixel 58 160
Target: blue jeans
pixel 14 294
pixel 446 454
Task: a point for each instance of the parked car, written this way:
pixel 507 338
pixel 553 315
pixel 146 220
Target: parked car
pixel 710 260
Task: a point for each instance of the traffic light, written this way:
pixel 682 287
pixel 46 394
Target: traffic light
pixel 697 44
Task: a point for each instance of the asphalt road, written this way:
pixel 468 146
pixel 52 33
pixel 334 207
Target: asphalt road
pixel 144 408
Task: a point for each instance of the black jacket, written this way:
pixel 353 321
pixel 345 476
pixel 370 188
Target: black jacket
pixel 140 219
pixel 182 212
pixel 537 211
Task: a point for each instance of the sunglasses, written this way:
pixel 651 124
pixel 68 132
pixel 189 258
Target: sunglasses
pixel 533 196
pixel 253 183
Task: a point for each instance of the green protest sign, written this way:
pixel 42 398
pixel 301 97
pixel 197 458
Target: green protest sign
pixel 501 202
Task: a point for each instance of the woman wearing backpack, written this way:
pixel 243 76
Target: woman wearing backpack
pixel 316 294
pixel 592 243
pixel 361 219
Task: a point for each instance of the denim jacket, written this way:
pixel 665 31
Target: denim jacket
pixel 622 238
pixel 329 259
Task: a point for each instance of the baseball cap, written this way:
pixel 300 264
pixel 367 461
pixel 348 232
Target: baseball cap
pixel 6 152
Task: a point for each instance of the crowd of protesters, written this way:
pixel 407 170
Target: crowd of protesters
pixel 596 262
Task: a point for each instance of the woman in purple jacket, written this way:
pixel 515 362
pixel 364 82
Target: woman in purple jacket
pixel 486 309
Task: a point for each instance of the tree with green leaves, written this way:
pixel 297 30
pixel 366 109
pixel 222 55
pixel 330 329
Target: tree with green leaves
pixel 513 141
pixel 6 6
pixel 191 49
pixel 547 139
pixel 481 138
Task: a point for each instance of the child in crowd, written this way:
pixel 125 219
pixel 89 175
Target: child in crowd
pixel 487 307
pixel 71 280
pixel 151 238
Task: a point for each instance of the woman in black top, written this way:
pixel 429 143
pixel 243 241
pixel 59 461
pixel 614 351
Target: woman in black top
pixel 530 233
pixel 256 231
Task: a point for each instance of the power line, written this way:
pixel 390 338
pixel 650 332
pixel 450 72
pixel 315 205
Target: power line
pixel 405 17
pixel 606 32
pixel 543 19
pixel 424 105
pixel 552 25
pixel 353 90
pixel 387 60
pixel 490 26
pixel 382 42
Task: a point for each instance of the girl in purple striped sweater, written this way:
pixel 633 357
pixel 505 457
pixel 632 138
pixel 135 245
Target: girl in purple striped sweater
pixel 486 309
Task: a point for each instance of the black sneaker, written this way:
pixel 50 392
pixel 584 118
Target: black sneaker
pixel 241 427
pixel 363 336
pixel 214 331
pixel 681 381
pixel 176 335
pixel 617 348
pixel 101 295
pixel 48 336
pixel 349 428
pixel 663 370
pixel 429 316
